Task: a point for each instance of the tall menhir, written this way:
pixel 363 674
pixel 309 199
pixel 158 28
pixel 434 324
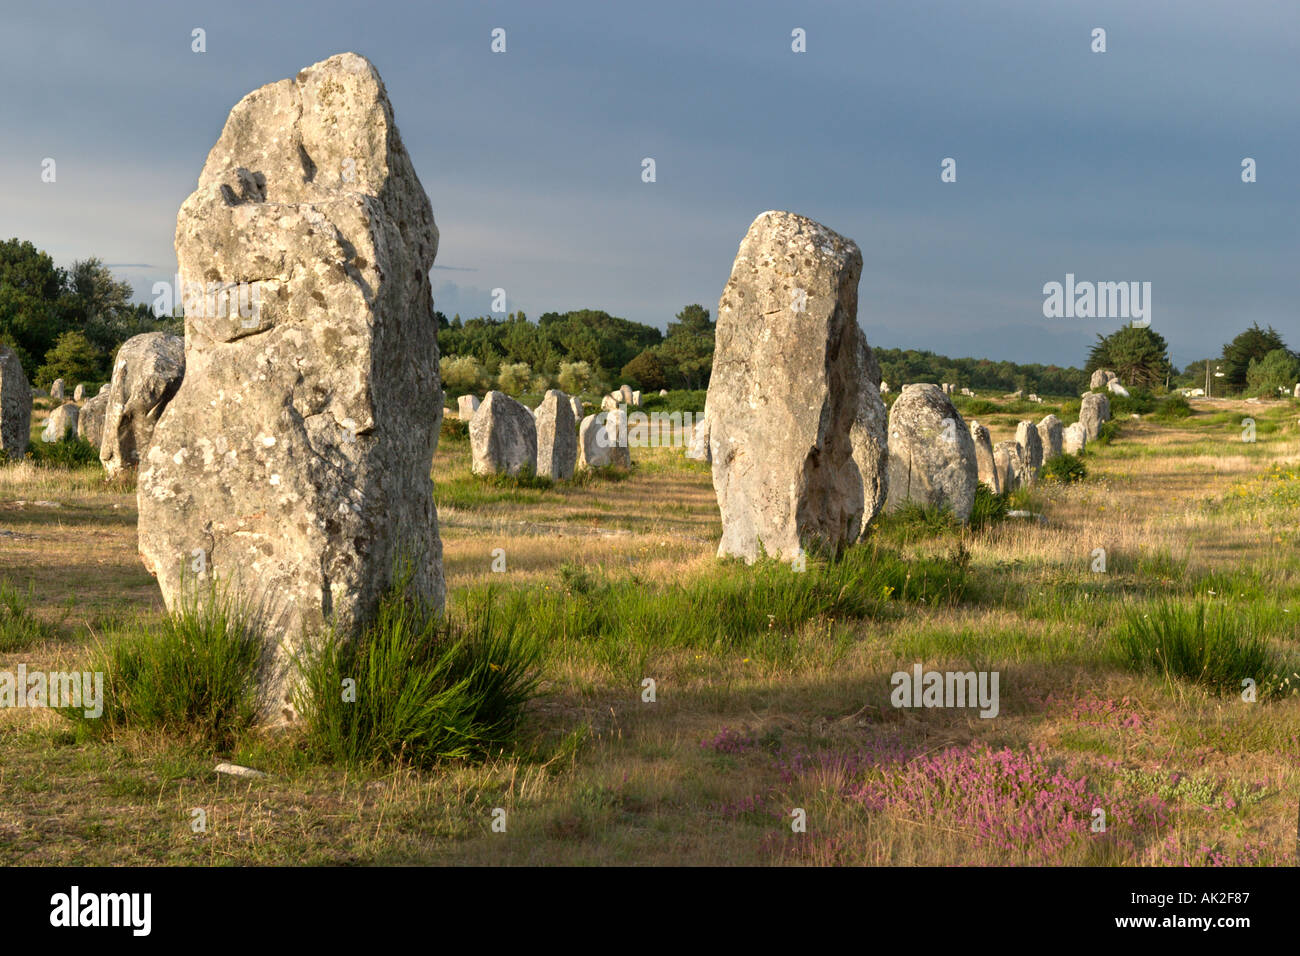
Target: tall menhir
pixel 293 466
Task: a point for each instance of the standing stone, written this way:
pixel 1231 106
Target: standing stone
pixel 625 394
pixel 785 391
pixel 1031 450
pixel 599 441
pixel 503 436
pixel 575 404
pixel 1094 411
pixel 1296 391
pixel 1075 439
pixel 664 391
pixel 931 453
pixel 984 465
pixel 56 389
pixel 610 402
pixel 466 406
pixel 295 458
pixel 1051 435
pixel 79 393
pixel 61 424
pixel 557 437
pixel 90 423
pixel 15 406
pixel 869 436
pixel 1101 377
pixel 146 376
pixel 636 399
pixel 1116 388
pixel 698 445
pixel 1009 464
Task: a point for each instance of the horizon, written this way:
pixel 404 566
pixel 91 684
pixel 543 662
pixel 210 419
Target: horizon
pixel 1122 166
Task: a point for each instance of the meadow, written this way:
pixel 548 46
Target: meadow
pixel 1121 626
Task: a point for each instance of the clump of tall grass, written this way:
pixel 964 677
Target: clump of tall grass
pixel 988 508
pixel 1064 469
pixel 70 451
pixel 1215 646
pixel 731 607
pixel 19 628
pixel 415 686
pixel 193 675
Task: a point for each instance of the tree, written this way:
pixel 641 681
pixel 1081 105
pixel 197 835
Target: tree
pixel 646 371
pixel 1255 343
pixel 72 359
pixel 462 373
pixel 1278 369
pixel 30 288
pixel 574 377
pixel 514 377
pixel 1138 356
pixel 687 353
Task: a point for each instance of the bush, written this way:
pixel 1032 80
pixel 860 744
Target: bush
pixel 980 406
pixel 194 675
pixel 677 400
pixel 1208 646
pixel 1172 408
pixel 70 451
pixel 1107 433
pixel 19 629
pixel 988 508
pixel 426 689
pixel 1064 469
pixel 1138 402
pixel 454 429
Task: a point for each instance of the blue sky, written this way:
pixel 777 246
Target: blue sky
pixel 1115 166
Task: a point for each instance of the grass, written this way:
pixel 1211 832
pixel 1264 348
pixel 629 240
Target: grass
pixel 1213 645
pixel 415 688
pixel 70 451
pixel 192 676
pixel 19 627
pixel 1064 469
pixel 617 580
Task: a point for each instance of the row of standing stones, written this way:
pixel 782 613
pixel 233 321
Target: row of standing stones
pixel 291 464
pixel 118 421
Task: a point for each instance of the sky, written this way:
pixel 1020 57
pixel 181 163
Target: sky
pixel 1117 166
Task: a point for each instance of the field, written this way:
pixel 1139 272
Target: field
pixel 771 689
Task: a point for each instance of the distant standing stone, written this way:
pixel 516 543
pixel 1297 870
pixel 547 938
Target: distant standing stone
pixel 1010 465
pixel 466 406
pixel 61 423
pixel 1093 413
pixel 575 403
pixel 79 393
pixel 984 464
pixel 1051 435
pixel 625 393
pixel 146 376
pixel 931 453
pixel 1031 450
pixel 15 406
pixel 1074 439
pixel 698 446
pixel 557 437
pixel 599 441
pixel 502 436
pixel 90 422
pixel 56 389
pixel 610 402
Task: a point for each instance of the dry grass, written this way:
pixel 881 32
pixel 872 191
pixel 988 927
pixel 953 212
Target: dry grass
pixel 603 777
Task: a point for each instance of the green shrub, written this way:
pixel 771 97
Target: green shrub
pixel 19 628
pixel 70 451
pixel 988 508
pixel 453 429
pixel 979 406
pixel 913 522
pixel 677 400
pixel 1107 433
pixel 1064 469
pixel 426 689
pixel 1173 407
pixel 1212 646
pixel 193 675
pixel 1138 402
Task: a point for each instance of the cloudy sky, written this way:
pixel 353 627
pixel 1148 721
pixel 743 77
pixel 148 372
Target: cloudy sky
pixel 1115 166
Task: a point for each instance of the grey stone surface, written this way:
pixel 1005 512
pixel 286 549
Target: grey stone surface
pixel 1031 450
pixel 1051 434
pixel 931 453
pixel 90 423
pixel 146 376
pixel 61 423
pixel 984 465
pixel 295 458
pixel 785 392
pixel 15 406
pixel 466 406
pixel 1093 413
pixel 502 436
pixel 557 437
pixel 1075 439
